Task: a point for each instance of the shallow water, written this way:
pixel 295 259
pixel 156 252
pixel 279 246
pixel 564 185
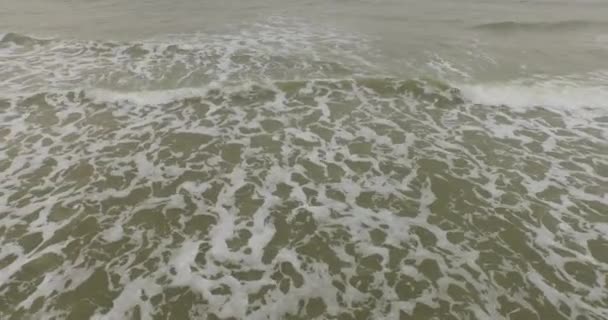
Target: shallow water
pixel 300 160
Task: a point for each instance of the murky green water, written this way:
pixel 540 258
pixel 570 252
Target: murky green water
pixel 288 169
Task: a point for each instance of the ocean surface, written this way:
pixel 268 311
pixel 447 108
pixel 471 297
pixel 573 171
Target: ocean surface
pixel 312 159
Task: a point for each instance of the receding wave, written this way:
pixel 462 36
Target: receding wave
pixel 345 195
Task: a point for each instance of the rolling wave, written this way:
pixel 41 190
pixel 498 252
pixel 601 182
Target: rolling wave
pixel 21 39
pixel 553 26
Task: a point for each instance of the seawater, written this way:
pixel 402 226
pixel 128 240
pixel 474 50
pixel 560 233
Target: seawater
pixel 351 160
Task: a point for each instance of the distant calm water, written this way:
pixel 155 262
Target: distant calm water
pixel 312 159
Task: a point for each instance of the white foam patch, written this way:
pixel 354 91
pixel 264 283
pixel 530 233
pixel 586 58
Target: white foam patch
pixel 113 234
pixel 150 97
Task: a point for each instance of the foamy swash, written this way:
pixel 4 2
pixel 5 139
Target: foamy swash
pixel 285 173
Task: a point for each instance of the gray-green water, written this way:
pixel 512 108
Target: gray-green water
pixel 303 160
